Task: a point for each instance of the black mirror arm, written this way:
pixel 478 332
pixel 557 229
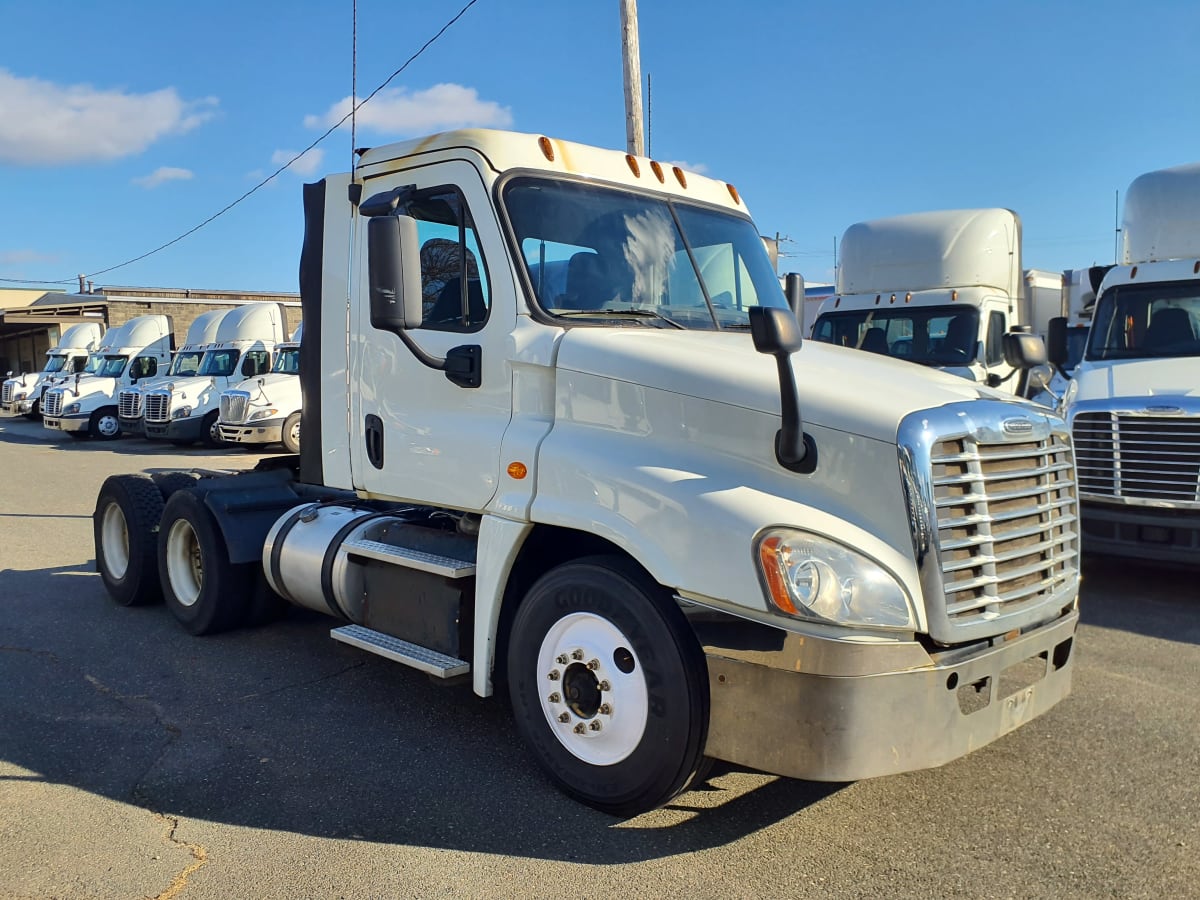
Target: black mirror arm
pixel 791 444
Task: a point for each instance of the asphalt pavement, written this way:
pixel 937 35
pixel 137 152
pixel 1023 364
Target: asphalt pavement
pixel 137 761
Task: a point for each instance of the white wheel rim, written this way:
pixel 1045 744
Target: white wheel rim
pixel 114 536
pixel 294 433
pixel 184 566
pixel 108 425
pixel 607 725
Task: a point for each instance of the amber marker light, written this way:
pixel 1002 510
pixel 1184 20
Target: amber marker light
pixel 772 566
pixel 734 194
pixel 517 470
pixel 679 176
pixel 633 165
pixel 658 172
pixel 953 296
pixel 547 148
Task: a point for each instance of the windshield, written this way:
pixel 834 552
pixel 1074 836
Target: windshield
pixel 56 363
pixel 287 361
pixel 1143 321
pixel 932 336
pixel 112 366
pixel 186 363
pixel 94 362
pixel 603 254
pixel 219 362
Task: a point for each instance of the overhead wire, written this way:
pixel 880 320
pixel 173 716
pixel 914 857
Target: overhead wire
pixel 354 107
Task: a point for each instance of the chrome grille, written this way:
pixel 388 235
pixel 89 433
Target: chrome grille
pixel 52 403
pixel 1135 457
pixel 234 407
pixel 158 406
pixel 130 405
pixel 6 393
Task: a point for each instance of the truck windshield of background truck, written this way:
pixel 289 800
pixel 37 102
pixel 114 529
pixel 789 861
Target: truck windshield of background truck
pixel 56 363
pixel 111 366
pixel 186 363
pixel 287 362
pixel 931 336
pixel 617 256
pixel 1142 321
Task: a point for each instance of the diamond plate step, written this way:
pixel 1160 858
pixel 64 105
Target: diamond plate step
pixel 422 658
pixel 411 559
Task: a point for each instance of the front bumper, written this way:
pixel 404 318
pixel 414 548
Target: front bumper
pixel 1141 532
pixel 822 727
pixel 136 427
pixel 189 429
pixel 268 431
pixel 16 408
pixel 80 422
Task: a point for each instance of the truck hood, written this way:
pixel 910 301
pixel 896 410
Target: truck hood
pixel 194 385
pixel 1140 378
pixel 270 380
pixel 89 386
pixel 848 390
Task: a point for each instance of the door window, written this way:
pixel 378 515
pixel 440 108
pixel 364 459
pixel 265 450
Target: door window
pixel 454 285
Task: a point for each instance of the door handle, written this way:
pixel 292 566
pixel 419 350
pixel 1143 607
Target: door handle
pixel 373 436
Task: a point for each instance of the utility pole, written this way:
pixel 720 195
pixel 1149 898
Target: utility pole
pixel 632 68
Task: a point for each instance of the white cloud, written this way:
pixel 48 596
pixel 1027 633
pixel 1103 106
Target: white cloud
pixel 698 168
pixel 42 123
pixel 308 164
pixel 162 175
pixel 398 111
pixel 25 257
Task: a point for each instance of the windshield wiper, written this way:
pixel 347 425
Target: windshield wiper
pixel 633 312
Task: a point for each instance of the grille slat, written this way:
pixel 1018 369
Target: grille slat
pixel 234 406
pixel 129 404
pixel 1136 457
pixel 6 393
pixel 52 405
pixel 157 406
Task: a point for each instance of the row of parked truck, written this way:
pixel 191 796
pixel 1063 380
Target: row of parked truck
pixel 234 380
pixel 564 441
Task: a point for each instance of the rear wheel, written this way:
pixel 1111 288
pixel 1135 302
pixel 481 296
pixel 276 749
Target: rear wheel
pixel 608 685
pixel 104 424
pixel 125 525
pixel 291 433
pixel 203 589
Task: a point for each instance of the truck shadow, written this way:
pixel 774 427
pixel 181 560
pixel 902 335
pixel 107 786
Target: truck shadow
pixel 284 729
pixel 1141 598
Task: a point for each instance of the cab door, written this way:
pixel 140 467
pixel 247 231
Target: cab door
pixel 415 434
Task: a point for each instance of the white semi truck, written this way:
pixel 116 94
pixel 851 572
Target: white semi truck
pixel 21 395
pixel 87 405
pixel 266 410
pixel 942 289
pixel 186 409
pixel 1134 401
pixel 185 363
pixel 638 500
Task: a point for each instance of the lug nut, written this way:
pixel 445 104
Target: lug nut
pixel 605 709
pixel 564 717
pixel 563 659
pixel 576 654
pixel 595 726
pixel 604 686
pixel 579 729
pixel 593 664
pixel 555 698
pixel 554 676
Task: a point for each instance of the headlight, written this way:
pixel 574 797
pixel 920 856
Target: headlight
pixel 21 395
pixel 262 414
pixel 70 409
pixel 181 413
pixel 810 577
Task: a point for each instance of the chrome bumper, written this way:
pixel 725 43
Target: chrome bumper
pixel 269 431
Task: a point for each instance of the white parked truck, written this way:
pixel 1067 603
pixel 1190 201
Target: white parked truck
pixel 266 410
pixel 86 405
pixel 185 363
pixel 1134 401
pixel 668 526
pixel 942 289
pixel 186 409
pixel 21 395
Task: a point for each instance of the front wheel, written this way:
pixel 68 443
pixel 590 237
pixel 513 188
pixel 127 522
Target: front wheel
pixel 104 424
pixel 210 430
pixel 291 433
pixel 608 685
pixel 35 411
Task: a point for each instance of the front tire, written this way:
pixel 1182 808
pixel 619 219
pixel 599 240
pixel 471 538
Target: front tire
pixel 608 685
pixel 204 591
pixel 104 424
pixel 35 411
pixel 210 431
pixel 125 526
pixel 291 433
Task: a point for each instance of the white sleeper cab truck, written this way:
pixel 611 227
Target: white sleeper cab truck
pixel 22 395
pixel 185 410
pixel 86 405
pixel 266 410
pixel 943 289
pixel 1134 401
pixel 670 528
pixel 184 364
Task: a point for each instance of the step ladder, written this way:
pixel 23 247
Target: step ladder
pixel 437 664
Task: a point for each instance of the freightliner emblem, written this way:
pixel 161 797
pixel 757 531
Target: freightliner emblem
pixel 1017 427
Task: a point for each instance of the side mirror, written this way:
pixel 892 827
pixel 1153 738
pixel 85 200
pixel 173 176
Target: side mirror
pixel 393 255
pixel 1024 351
pixel 774 331
pixel 777 333
pixel 1056 341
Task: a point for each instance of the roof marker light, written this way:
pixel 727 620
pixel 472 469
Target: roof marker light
pixel 908 297
pixel 679 176
pixel 953 295
pixel 893 300
pixel 1133 273
pixel 877 297
pixel 734 194
pixel 633 165
pixel 658 172
pixel 547 148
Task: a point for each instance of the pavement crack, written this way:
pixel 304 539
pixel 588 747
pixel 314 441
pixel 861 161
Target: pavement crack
pixel 199 858
pixel 298 684
pixel 44 654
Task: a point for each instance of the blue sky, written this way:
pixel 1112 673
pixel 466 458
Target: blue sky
pixel 124 124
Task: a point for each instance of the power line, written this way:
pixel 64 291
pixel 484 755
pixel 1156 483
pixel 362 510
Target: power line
pixel 353 109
